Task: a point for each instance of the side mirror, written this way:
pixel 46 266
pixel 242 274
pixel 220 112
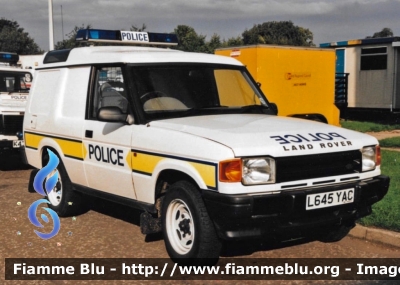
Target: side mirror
pixel 273 107
pixel 111 114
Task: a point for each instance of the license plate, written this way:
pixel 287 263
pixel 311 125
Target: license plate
pixel 18 144
pixel 329 199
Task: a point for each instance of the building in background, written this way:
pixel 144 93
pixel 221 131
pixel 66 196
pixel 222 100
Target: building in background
pixel 300 80
pixel 373 70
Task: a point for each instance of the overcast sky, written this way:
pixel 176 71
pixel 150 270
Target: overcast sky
pixel 329 20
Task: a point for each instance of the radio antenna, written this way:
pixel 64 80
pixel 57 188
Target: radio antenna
pixel 62 23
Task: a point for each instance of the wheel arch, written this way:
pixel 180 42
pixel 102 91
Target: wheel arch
pixel 172 170
pixel 171 176
pixel 45 157
pixel 50 144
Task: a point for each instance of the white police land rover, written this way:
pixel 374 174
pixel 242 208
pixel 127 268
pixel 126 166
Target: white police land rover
pixel 191 140
pixel 14 88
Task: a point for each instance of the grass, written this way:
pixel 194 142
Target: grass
pixel 390 142
pixel 374 127
pixel 386 213
pixel 368 126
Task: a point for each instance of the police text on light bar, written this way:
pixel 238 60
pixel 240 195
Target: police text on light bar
pixel 134 36
pixel 126 37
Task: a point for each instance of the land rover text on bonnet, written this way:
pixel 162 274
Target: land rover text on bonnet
pixel 190 140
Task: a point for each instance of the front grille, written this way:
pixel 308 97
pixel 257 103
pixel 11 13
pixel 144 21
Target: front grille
pixel 319 165
pixel 10 124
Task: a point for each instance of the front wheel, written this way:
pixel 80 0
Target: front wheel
pixel 189 233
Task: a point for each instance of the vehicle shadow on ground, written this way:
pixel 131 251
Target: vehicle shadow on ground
pixel 115 210
pixel 248 247
pixel 12 162
pixel 121 212
pixel 230 249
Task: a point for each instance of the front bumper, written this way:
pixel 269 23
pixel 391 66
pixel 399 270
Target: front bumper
pixel 6 146
pixel 251 216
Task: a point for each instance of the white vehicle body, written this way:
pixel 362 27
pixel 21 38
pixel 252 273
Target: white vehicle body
pixel 14 89
pixel 30 61
pixel 255 173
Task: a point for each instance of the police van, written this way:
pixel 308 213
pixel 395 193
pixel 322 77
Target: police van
pixel 191 140
pixel 14 89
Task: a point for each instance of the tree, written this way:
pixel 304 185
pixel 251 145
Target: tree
pixel 231 42
pixel 385 33
pixel 70 42
pixel 136 29
pixel 278 33
pixel 14 39
pixel 213 44
pixel 189 40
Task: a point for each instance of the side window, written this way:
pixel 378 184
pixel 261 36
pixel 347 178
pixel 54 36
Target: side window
pixel 374 58
pixel 47 84
pixel 109 91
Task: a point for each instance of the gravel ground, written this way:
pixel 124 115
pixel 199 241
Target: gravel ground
pixel 385 135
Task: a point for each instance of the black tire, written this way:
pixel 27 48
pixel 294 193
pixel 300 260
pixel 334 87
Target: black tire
pixel 189 233
pixel 63 199
pixel 31 178
pixel 336 233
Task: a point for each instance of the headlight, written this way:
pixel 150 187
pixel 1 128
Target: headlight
pixel 371 157
pixel 249 171
pixel 258 170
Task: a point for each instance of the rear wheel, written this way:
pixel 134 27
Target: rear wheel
pixel 189 233
pixel 63 199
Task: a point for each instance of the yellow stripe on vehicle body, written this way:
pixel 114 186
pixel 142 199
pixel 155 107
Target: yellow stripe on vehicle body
pixel 33 140
pixel 207 172
pixel 145 163
pixel 70 148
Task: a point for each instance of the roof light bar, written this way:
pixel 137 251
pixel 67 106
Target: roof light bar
pixel 126 37
pixel 9 57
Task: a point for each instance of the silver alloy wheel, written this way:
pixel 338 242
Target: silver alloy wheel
pixel 55 194
pixel 180 227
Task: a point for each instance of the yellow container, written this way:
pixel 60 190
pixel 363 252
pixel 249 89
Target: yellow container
pixel 301 81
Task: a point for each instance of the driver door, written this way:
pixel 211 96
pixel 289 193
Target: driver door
pixel 108 144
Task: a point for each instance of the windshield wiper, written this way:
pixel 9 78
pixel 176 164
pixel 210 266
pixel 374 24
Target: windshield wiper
pixel 206 110
pixel 190 112
pixel 251 108
pixel 215 110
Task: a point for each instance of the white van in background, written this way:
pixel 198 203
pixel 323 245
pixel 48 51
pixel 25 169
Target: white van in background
pixel 15 83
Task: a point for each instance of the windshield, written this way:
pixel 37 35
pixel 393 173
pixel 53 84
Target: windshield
pixel 15 81
pixel 175 91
